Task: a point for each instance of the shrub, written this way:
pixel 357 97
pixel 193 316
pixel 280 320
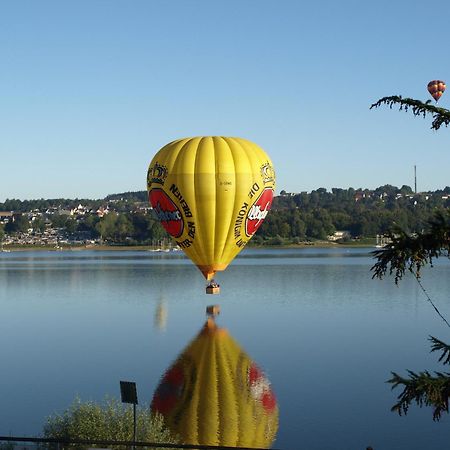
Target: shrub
pixel 108 421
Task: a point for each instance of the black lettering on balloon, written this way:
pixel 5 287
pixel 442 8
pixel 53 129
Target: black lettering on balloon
pixel 184 244
pixel 184 206
pixel 191 229
pixel 238 222
pixel 253 190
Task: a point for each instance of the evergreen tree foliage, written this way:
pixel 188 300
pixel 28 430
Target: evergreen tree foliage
pixel 423 388
pixel 412 251
pixel 409 252
pixel 441 116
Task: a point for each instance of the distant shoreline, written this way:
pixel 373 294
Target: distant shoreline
pixel 125 248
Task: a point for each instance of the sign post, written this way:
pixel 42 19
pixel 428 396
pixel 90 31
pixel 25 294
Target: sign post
pixel 128 393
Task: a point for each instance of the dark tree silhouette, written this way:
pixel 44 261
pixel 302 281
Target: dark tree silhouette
pixel 441 116
pixel 410 252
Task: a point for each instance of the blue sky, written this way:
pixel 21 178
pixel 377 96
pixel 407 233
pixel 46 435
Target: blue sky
pixel 91 89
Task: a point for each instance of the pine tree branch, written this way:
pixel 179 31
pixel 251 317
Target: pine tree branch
pixel 423 389
pixel 438 345
pixel 412 252
pixel 441 116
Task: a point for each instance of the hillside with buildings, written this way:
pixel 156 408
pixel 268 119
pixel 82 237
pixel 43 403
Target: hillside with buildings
pixel 127 218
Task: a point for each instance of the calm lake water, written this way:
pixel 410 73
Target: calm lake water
pixel 325 333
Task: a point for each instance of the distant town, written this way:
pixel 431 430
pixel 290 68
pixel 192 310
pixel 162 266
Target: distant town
pixel 127 219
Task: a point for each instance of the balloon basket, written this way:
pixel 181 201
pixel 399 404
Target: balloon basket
pixel 212 289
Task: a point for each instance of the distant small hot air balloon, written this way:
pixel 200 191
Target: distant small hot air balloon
pixel 436 88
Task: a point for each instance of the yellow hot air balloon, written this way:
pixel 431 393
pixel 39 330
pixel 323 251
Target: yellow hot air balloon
pixel 214 394
pixel 211 194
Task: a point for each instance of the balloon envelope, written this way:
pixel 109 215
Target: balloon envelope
pixel 214 394
pixel 211 194
pixel 436 88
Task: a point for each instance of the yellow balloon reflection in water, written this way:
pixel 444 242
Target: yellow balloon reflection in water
pixel 211 194
pixel 214 394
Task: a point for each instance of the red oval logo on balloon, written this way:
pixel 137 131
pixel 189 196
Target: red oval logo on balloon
pixel 258 212
pixel 167 212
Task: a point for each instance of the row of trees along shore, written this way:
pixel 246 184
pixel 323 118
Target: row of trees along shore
pixel 294 218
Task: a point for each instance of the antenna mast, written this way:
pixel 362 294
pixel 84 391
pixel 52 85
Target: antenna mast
pixel 415 179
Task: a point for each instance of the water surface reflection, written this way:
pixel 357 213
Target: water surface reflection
pixel 214 394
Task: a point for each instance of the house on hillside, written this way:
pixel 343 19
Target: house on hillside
pixel 339 235
pixel 102 211
pixel 143 207
pixel 6 216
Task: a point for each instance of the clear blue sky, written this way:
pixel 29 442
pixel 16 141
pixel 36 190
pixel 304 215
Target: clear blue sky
pixel 91 89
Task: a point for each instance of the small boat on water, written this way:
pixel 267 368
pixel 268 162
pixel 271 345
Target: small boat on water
pixel 382 241
pixel 162 247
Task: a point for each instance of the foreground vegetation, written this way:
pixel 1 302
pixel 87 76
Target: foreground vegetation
pixel 110 420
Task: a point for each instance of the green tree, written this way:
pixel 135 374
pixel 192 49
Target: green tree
pixel 298 226
pixel 115 227
pixel 405 189
pixel 20 224
pixel 2 233
pixel 157 232
pixel 71 225
pixel 108 421
pixel 285 230
pixel 89 223
pixel 106 226
pixel 142 224
pixel 38 224
pixel 320 224
pixel 59 221
pixel 409 253
pixel 123 228
pixel 64 221
pixel 341 220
